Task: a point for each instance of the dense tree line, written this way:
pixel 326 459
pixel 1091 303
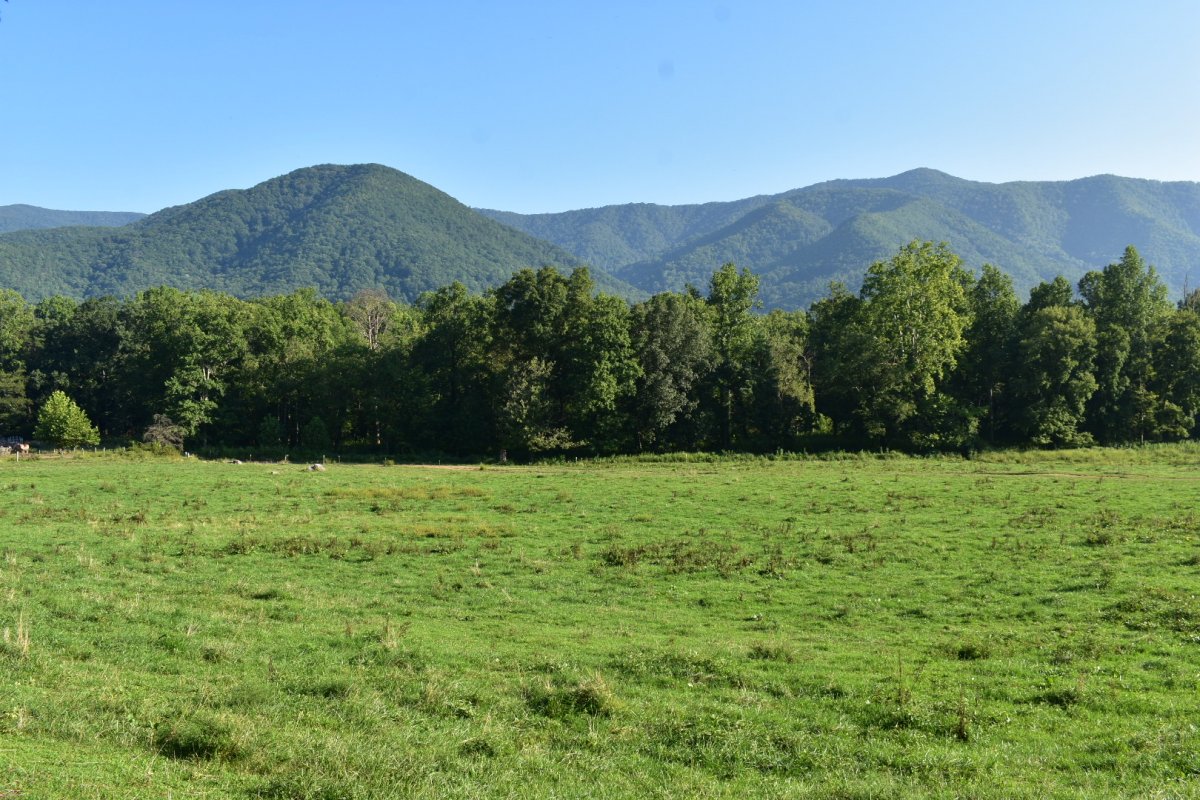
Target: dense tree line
pixel 926 356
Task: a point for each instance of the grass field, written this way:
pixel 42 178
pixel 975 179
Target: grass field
pixel 1019 625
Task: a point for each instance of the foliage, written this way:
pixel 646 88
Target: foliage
pixel 24 217
pixel 341 229
pixel 1129 305
pixel 64 424
pixel 675 354
pixel 916 311
pixel 1055 380
pixel 731 296
pixel 926 357
pixel 801 240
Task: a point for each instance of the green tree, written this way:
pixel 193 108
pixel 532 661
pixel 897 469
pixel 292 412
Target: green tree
pixel 782 405
pixel 1176 375
pixel 452 353
pixel 1055 363
pixel 1047 294
pixel 732 295
pixel 291 371
pixel 670 337
pixel 841 359
pixel 915 313
pixel 526 416
pixel 1129 305
pixel 581 341
pixel 64 424
pixel 86 355
pixel 16 336
pixel 986 363
pixel 185 349
pixel 314 436
pixel 602 359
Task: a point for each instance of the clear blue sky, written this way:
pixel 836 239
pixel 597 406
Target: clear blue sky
pixel 548 106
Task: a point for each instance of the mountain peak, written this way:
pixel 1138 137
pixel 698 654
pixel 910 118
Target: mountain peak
pixel 338 228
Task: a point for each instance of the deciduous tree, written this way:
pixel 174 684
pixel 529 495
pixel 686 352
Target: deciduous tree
pixel 64 424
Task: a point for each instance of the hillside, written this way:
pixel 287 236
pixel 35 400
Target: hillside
pixel 21 217
pixel 801 239
pixel 337 228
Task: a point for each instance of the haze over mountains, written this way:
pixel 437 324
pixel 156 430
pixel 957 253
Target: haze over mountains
pixel 345 228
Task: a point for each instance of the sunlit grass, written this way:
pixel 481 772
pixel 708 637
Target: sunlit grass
pixel 867 625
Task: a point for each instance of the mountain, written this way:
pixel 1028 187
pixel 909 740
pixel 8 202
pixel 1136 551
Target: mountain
pixel 22 217
pixel 800 240
pixel 337 228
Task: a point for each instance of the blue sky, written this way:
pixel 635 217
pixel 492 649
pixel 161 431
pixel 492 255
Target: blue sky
pixel 548 106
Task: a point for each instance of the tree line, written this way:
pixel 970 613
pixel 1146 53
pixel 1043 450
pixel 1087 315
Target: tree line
pixel 925 357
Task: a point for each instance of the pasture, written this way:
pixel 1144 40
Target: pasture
pixel 1018 625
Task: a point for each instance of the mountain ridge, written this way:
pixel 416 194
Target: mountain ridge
pixel 341 228
pixel 1031 229
pixel 338 228
pixel 21 216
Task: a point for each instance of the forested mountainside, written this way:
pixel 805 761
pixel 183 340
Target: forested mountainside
pixel 342 229
pixel 339 229
pixel 801 240
pixel 22 217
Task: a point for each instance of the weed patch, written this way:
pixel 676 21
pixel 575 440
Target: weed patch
pixel 685 555
pixel 195 736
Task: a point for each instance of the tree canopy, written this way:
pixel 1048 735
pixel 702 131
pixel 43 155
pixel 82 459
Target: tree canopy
pixel 926 356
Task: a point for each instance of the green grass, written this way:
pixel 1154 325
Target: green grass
pixel 1019 625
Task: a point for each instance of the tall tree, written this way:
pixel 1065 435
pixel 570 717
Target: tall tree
pixel 1054 381
pixel 841 359
pixel 916 313
pixel 186 347
pixel 84 355
pixel 581 342
pixel 986 363
pixel 731 297
pixel 782 406
pixel 16 337
pixel 1176 375
pixel 371 310
pixel 1129 305
pixel 453 354
pixel 672 342
pixel 292 339
pixel 604 364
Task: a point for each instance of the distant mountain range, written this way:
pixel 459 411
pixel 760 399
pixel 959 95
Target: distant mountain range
pixel 800 240
pixel 337 228
pixel 344 228
pixel 23 217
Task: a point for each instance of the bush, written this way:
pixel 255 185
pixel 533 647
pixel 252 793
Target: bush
pixel 163 433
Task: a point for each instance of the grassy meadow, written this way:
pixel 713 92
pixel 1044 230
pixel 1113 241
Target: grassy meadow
pixel 1017 626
